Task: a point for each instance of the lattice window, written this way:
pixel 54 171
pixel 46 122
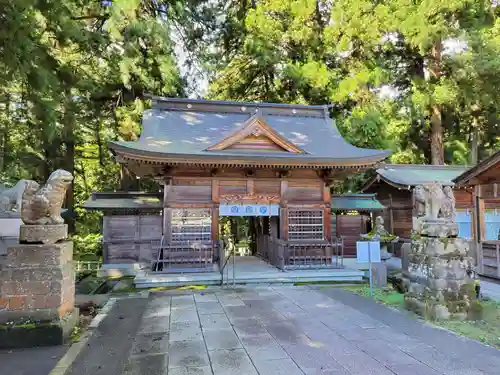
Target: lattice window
pixel 305 225
pixel 191 225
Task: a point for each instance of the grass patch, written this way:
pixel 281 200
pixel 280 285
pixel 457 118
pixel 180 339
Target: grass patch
pixel 334 282
pixel 388 295
pixel 485 328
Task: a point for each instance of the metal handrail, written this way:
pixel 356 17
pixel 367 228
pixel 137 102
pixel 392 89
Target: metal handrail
pixel 231 254
pixel 159 256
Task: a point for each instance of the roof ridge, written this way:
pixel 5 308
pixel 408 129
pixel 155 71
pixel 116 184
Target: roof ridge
pixel 187 104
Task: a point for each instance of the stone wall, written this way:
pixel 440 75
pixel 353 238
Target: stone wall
pixel 37 282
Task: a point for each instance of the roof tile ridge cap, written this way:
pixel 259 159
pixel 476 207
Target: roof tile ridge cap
pixel 290 115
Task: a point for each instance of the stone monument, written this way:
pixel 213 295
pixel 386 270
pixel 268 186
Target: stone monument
pixel 10 214
pixel 37 277
pixel 439 286
pixel 380 234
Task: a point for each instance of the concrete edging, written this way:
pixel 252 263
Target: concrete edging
pixel 74 350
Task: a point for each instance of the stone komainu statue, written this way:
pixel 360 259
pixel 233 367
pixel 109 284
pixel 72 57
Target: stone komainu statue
pixel 419 196
pixel 42 206
pixel 11 198
pixel 448 210
pixel 432 201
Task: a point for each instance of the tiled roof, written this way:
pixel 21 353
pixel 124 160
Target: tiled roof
pixel 185 128
pixel 410 175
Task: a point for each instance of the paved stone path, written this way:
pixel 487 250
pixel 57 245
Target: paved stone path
pixel 34 361
pixel 274 331
pixel 490 289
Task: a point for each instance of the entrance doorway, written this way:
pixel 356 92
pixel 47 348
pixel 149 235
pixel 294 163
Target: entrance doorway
pixel 241 226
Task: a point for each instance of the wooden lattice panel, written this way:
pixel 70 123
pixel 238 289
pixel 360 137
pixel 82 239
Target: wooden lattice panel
pixel 191 225
pixel 305 225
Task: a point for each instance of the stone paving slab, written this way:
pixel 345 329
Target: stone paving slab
pixel 109 347
pixel 275 330
pixel 33 361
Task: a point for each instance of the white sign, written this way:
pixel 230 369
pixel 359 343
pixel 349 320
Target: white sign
pixel 249 210
pixel 362 254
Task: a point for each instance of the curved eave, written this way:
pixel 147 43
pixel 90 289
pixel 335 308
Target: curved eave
pixel 301 161
pixel 467 178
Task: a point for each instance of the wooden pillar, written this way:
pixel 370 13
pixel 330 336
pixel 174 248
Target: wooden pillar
pixel 327 213
pixel 391 216
pixel 284 210
pixel 167 211
pixel 480 216
pixel 475 214
pixel 215 209
pixel 250 186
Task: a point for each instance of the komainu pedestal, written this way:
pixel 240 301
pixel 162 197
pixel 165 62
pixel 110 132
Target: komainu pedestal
pixel 37 282
pixel 37 295
pixel 439 286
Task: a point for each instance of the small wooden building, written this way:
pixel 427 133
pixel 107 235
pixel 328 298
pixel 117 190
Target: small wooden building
pixel 273 163
pixel 351 216
pixel 393 186
pixel 484 178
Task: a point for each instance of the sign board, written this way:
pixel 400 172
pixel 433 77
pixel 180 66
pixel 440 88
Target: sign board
pixel 362 255
pixel 249 210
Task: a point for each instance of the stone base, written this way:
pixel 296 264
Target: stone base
pixel 30 335
pixel 438 228
pixel 432 311
pixel 443 247
pixel 44 234
pixel 379 275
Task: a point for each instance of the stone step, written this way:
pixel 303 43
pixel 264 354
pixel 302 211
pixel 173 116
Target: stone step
pixel 214 278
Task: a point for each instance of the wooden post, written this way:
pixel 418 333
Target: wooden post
pixel 284 209
pixel 475 214
pixel 327 213
pixel 215 209
pixel 250 186
pixel 391 215
pixel 481 220
pixel 167 211
pixel 498 260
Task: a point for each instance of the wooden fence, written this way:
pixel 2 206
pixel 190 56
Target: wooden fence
pixel 489 259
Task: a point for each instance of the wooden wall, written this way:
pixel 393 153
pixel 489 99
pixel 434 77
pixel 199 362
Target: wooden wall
pixel 487 197
pixel 350 227
pixel 203 188
pixel 399 203
pixel 128 238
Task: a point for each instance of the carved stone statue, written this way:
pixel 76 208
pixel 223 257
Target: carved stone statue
pixel 42 206
pixel 379 233
pixel 11 198
pixel 448 206
pixel 433 197
pixel 419 196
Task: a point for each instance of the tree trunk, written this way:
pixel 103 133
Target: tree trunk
pixel 68 160
pixel 436 135
pixel 474 145
pixel 128 181
pixel 474 136
pixel 5 127
pixel 437 146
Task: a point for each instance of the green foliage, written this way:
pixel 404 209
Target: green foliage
pixel 87 247
pixel 354 53
pixel 74 74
